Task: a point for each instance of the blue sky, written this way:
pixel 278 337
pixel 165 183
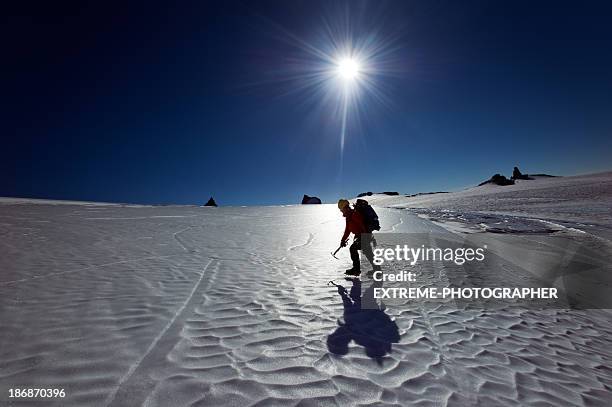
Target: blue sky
pixel 122 103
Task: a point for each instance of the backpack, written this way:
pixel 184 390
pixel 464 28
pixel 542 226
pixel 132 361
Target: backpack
pixel 370 218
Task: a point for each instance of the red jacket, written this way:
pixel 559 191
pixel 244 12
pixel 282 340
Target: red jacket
pixel 354 224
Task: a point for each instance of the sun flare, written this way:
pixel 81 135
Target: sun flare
pixel 339 69
pixel 348 69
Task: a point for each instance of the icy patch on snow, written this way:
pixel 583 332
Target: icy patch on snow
pixel 473 222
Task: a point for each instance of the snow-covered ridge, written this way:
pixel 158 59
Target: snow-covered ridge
pixel 15 201
pixel 582 202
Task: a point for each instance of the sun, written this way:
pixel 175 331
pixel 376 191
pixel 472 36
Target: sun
pixel 348 69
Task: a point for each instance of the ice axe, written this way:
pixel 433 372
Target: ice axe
pixel 338 286
pixel 337 250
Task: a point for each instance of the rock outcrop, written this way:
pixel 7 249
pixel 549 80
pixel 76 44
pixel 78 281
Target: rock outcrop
pixel 369 193
pixel 517 174
pixel 309 200
pixel 498 179
pixel 426 193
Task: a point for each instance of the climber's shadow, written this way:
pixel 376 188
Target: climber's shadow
pixel 365 322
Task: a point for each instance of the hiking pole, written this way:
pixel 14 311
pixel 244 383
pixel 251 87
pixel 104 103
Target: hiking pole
pixel 334 253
